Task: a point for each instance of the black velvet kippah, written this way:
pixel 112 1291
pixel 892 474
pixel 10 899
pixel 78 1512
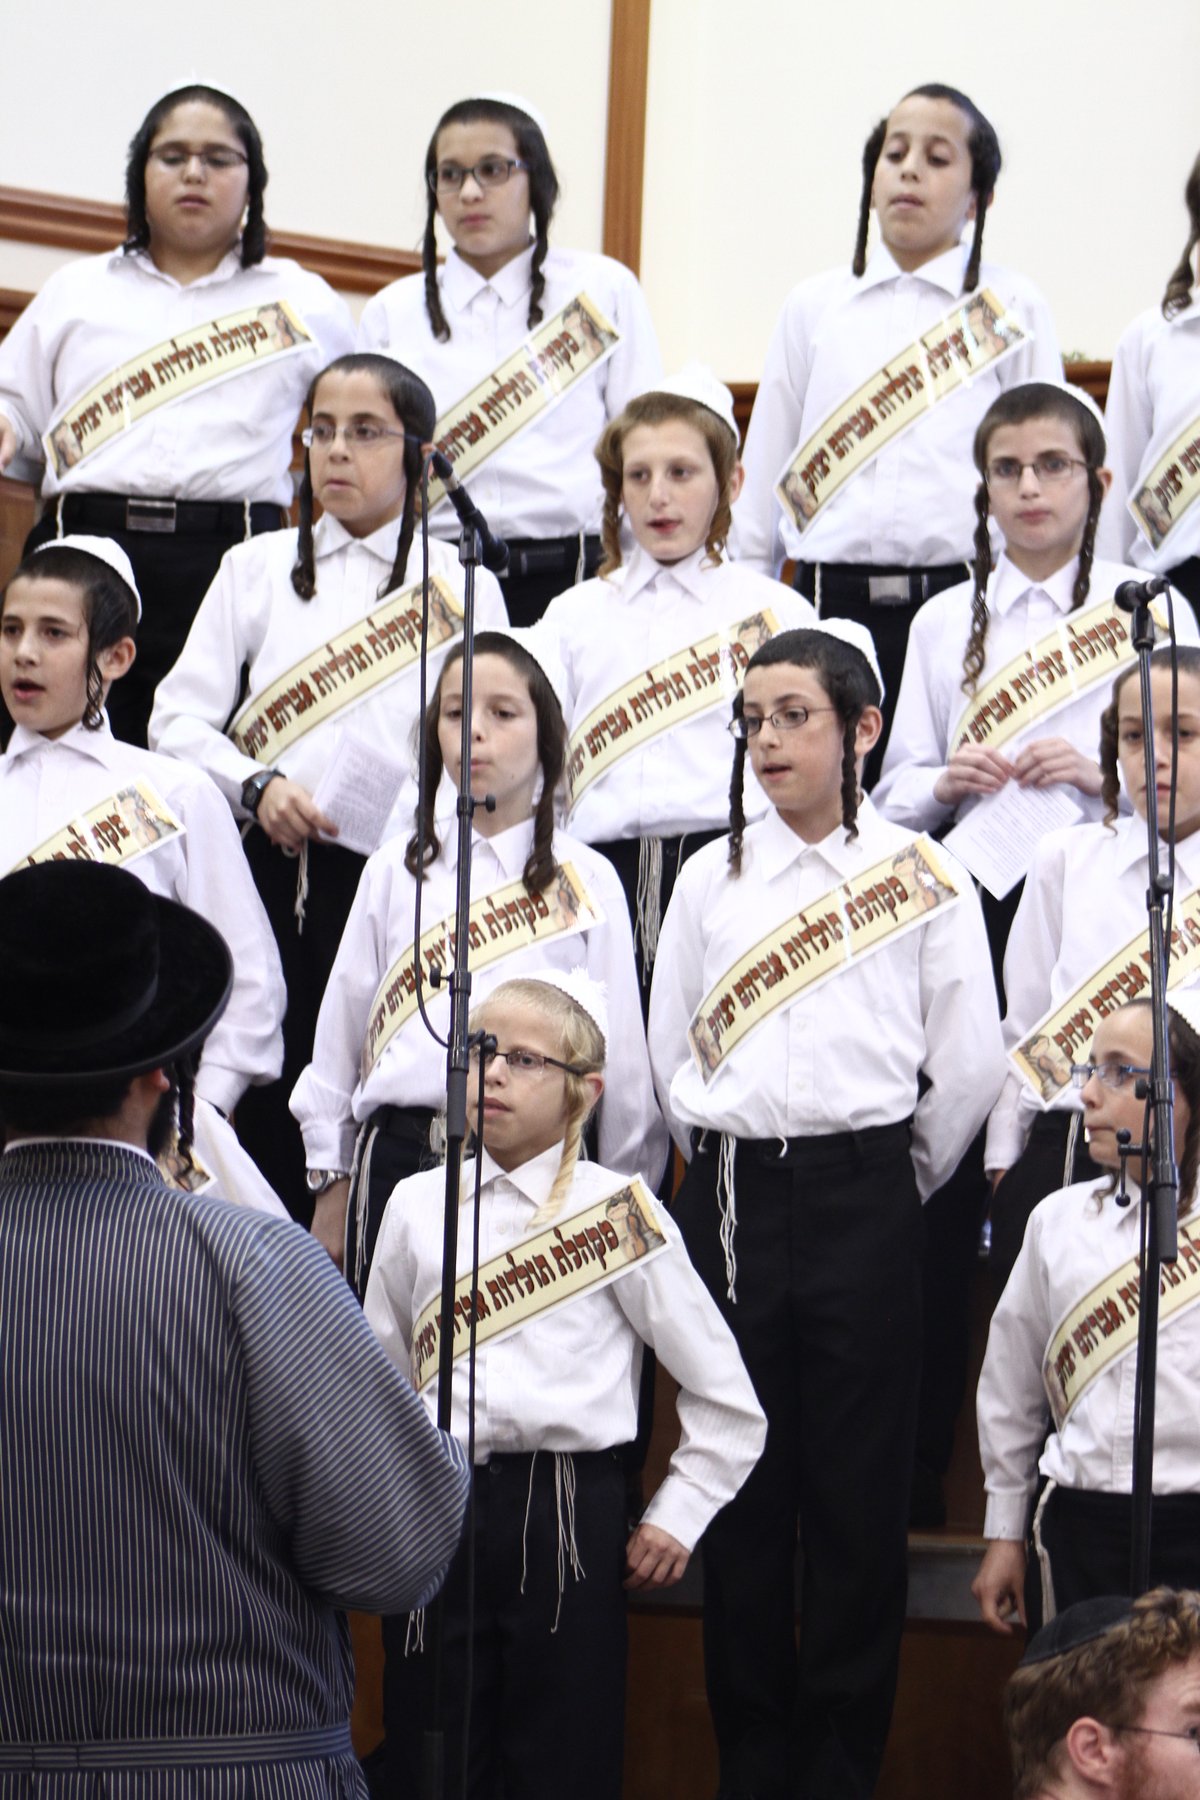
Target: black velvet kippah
pixel 1079 1624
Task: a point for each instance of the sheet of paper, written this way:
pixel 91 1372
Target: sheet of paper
pixel 358 791
pixel 997 839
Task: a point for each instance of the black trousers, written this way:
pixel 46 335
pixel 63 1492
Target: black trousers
pixel 529 586
pixel 828 1320
pixel 1088 1539
pixel 547 1697
pixel 623 854
pixel 173 572
pixel 1038 1171
pixel 265 1126
pixel 399 1148
pixel 844 595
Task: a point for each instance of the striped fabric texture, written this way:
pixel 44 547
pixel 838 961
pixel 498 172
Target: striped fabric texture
pixel 204 1456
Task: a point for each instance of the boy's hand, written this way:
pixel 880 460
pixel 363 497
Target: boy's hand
pixel 654 1558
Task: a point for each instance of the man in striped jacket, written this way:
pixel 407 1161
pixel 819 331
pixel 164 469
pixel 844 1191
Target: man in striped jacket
pixel 204 1454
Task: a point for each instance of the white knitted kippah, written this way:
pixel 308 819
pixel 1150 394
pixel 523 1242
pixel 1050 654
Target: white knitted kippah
pixel 851 632
pixel 504 98
pixel 589 995
pixel 107 550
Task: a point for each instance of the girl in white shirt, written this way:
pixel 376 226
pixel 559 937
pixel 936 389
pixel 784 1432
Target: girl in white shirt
pixel 489 178
pixel 899 530
pixel 1063 934
pixel 174 484
pixel 1076 1239
pixel 554 1401
pixel 1153 409
pixel 274 619
pixel 671 473
pixel 816 1114
pixel 68 623
pixel 389 1084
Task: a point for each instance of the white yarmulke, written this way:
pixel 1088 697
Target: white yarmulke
pixel 542 645
pixel 107 551
pixel 1083 397
pixel 1186 1002
pixel 503 98
pixel 696 381
pixel 589 995
pixel 854 634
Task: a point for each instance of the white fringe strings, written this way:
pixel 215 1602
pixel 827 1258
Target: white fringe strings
pixel 360 1190
pixel 301 886
pixel 648 904
pixel 567 1550
pixel 727 1207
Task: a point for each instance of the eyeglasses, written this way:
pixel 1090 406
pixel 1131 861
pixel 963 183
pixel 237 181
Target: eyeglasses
pixel 1050 468
pixel 1113 1075
pixel 1190 1736
pixel 489 172
pixel 790 719
pixel 522 1062
pixel 217 159
pixel 362 433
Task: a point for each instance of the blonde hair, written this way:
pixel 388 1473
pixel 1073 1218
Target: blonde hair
pixel 663 409
pixel 580 1043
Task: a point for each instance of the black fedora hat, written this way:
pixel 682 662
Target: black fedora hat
pixel 102 978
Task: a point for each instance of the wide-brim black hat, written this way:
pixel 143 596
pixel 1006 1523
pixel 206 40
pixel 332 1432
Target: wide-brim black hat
pixel 101 978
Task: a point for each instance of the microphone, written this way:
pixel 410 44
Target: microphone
pixel 495 550
pixel 1132 594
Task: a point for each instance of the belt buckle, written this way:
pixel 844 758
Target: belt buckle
pixel 889 590
pixel 150 515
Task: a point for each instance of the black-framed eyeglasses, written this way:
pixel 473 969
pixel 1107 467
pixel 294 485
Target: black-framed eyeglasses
pixel 1191 1735
pixel 790 719
pixel 215 156
pixel 362 432
pixel 1050 467
pixel 522 1062
pixel 1113 1075
pixel 489 172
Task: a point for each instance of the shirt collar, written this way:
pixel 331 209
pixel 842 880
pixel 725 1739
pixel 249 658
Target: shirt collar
pixel 92 1143
pixel 533 1180
pixel 96 744
pixel 510 848
pixel 463 284
pixel 1009 586
pixel 144 263
pixel 330 536
pixel 778 846
pixel 642 571
pixel 944 271
pixel 1132 850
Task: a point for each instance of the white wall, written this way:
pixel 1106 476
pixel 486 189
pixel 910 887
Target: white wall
pixel 758 110
pixel 345 95
pixel 757 113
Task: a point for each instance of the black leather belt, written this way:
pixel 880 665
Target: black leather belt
pixel 108 513
pixel 878 586
pixel 528 557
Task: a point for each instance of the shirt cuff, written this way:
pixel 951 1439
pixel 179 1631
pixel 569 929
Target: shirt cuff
pixel 222 1088
pixel 329 1146
pixel 1007 1516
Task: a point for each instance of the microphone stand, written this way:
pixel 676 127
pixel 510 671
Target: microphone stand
pixel 1160 1192
pixel 470 555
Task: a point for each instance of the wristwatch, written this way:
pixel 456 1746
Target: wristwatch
pixel 317 1180
pixel 253 790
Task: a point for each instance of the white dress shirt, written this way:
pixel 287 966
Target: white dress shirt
pixel 545 483
pixel 46 782
pixel 847 1055
pixel 1074 1238
pixel 1084 900
pixel 568 1380
pixel 1153 396
pixel 606 632
pixel 252 616
pixel 330 1101
pixel 229 440
pixel 931 700
pixel 913 504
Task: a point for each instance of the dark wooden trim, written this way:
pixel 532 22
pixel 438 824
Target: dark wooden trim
pixel 628 73
pixel 89 226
